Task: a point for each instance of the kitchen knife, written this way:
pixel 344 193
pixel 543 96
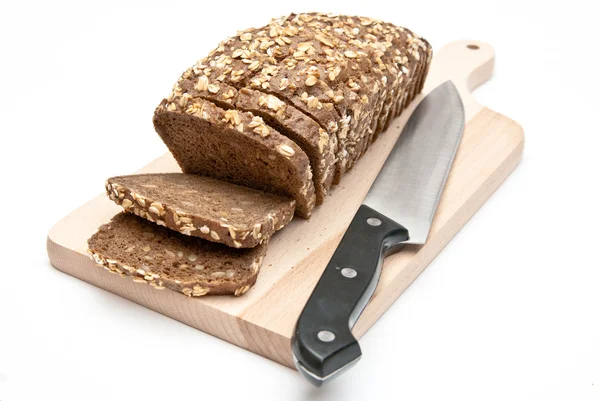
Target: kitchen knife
pixel 397 210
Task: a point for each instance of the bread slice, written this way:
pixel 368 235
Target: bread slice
pixel 203 207
pixel 316 101
pixel 162 258
pixel 286 119
pixel 320 147
pixel 237 147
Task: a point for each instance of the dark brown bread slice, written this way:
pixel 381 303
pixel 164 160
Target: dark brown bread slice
pixel 316 102
pixel 203 207
pixel 154 255
pixel 318 145
pixel 236 147
pixel 315 99
pixel 314 140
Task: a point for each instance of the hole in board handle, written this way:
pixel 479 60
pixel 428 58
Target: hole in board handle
pixel 473 47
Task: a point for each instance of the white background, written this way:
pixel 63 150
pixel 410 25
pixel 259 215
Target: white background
pixel 509 311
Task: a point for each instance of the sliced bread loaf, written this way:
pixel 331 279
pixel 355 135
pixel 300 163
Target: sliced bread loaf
pixel 237 147
pixel 203 207
pixel 154 255
pixel 349 76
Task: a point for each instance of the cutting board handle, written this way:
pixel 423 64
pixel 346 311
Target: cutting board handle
pixel 468 63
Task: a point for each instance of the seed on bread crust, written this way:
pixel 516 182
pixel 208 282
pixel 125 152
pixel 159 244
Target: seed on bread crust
pixel 198 291
pixel 202 84
pixel 311 80
pixel 286 150
pixel 241 290
pixel 157 208
pixel 256 230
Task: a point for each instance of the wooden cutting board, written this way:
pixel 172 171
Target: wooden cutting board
pixel 263 319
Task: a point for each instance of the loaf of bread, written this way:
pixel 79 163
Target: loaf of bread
pixel 162 258
pixel 214 210
pixel 329 83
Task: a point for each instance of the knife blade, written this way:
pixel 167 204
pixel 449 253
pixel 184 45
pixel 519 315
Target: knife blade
pixel 398 210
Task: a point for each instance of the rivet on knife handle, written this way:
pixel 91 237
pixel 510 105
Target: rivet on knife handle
pixel 323 343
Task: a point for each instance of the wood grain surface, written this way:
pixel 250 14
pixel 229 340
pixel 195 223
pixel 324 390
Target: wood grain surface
pixel 263 319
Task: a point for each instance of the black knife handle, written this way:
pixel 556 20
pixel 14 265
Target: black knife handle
pixel 323 342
